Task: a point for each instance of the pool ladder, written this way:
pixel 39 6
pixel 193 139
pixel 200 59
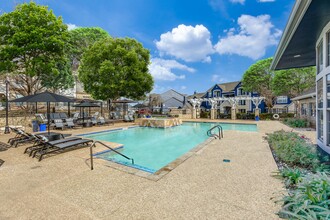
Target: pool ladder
pixel 220 132
pixel 99 142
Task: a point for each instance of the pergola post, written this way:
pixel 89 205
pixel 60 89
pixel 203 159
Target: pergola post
pixel 213 103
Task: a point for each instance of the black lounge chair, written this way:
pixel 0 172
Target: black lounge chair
pixel 40 144
pixel 21 137
pixel 52 148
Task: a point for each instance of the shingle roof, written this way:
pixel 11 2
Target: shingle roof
pixel 226 87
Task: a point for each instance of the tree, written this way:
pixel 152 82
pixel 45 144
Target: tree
pixel 80 39
pixel 292 82
pixel 258 78
pixel 32 45
pixel 116 67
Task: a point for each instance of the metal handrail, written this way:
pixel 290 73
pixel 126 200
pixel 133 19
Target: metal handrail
pixel 219 135
pixel 94 144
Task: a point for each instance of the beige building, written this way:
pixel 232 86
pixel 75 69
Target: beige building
pixel 306 106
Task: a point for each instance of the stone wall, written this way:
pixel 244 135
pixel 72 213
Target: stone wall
pixel 24 121
pixel 182 113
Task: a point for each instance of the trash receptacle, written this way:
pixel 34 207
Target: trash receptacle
pixel 42 127
pixel 257 118
pixel 35 126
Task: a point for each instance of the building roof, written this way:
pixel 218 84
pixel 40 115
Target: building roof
pixel 297 46
pixel 197 95
pixel 310 93
pixel 226 87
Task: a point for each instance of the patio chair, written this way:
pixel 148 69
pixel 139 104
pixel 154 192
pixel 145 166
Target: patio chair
pixel 63 115
pixel 101 121
pixel 23 139
pixel 58 124
pixel 52 148
pixel 69 123
pixel 126 118
pixel 41 143
pixel 94 121
pixel 131 118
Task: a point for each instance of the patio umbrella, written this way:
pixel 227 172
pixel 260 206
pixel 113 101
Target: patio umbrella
pixel 84 105
pixel 47 97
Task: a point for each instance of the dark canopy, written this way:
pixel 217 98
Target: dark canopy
pixel 86 104
pixel 43 97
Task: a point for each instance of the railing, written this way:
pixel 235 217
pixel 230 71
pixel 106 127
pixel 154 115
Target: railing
pixel 220 132
pixel 94 144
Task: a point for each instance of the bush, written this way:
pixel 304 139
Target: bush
pixel 309 200
pixel 293 150
pixel 296 122
pixel 266 116
pixel 292 176
pixel 245 116
pixel 204 114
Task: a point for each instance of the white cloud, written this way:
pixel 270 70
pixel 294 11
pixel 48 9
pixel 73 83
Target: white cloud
pixel 187 43
pixel 217 78
pixel 266 0
pixel 183 87
pixel 161 69
pixel 252 38
pixel 72 26
pixel 238 1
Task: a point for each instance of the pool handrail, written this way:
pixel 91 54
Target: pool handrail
pixel 220 135
pixel 99 142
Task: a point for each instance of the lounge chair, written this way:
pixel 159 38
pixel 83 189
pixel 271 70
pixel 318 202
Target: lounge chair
pixel 101 121
pixel 21 137
pixel 52 148
pixel 59 124
pixel 126 118
pixel 41 143
pixel 131 118
pixel 69 123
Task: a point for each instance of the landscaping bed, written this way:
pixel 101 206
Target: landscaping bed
pixel 305 170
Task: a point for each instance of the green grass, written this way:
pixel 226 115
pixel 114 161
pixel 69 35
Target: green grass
pixel 296 122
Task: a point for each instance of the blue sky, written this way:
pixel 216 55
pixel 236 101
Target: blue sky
pixel 193 44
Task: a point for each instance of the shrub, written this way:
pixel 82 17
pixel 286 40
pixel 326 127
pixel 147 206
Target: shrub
pixel 293 150
pixel 266 116
pixel 205 114
pixel 310 199
pixel 245 116
pixel 292 176
pixel 296 122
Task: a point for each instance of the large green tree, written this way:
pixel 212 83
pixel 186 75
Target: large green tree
pixel 80 39
pixel 33 42
pixel 292 82
pixel 116 67
pixel 258 78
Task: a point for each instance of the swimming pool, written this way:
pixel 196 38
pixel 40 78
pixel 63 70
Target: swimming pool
pixel 154 148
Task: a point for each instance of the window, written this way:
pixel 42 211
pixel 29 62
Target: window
pixel 282 99
pixel 216 93
pixel 319 94
pixel 328 91
pixel 328 49
pixel 242 102
pixel 304 109
pixel 320 57
pixel 240 91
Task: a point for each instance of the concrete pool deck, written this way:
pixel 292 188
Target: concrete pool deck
pixel 202 187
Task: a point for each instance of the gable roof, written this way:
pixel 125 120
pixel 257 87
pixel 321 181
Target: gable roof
pixel 309 93
pixel 226 87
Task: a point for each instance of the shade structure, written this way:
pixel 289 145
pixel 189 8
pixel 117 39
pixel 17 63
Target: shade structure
pixel 84 105
pixel 47 97
pixel 43 97
pixel 140 106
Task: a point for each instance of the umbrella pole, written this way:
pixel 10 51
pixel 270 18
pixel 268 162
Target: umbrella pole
pixel 48 118
pixel 69 112
pixel 101 108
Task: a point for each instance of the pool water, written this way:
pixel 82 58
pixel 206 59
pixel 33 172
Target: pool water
pixel 154 148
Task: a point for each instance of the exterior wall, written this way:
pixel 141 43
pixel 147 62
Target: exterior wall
pixel 248 107
pixel 322 91
pixel 306 108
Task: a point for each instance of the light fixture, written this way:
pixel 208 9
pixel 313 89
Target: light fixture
pixel 296 56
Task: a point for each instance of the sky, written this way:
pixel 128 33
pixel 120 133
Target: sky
pixel 193 44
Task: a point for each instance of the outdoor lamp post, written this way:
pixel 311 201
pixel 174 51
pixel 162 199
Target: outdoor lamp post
pixel 7 105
